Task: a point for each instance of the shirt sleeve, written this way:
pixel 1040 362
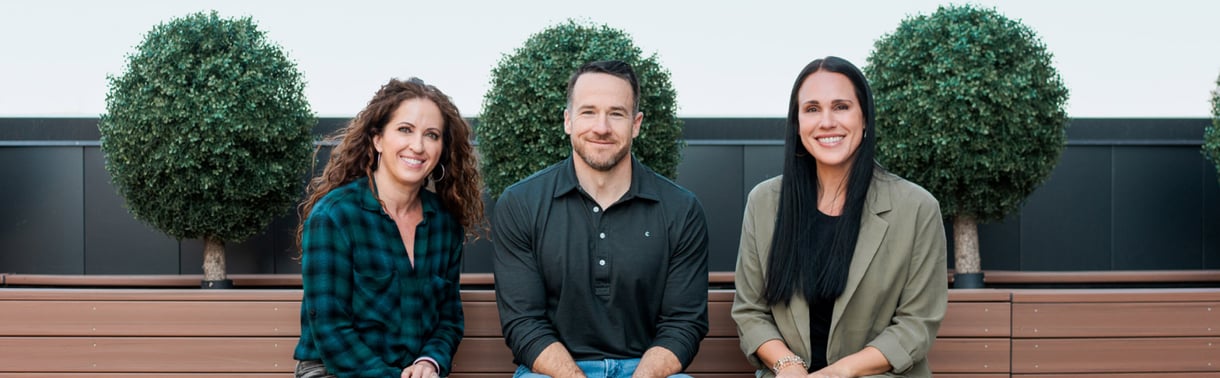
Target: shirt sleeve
pixel 520 292
pixel 755 321
pixel 683 320
pixel 448 332
pixel 326 274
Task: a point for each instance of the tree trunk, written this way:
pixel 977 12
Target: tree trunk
pixel 967 273
pixel 965 244
pixel 213 259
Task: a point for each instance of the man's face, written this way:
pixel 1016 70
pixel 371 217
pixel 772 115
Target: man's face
pixel 601 121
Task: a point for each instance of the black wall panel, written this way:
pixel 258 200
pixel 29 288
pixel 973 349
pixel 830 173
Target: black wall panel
pixel 1065 223
pixel 999 243
pixel 1158 211
pixel 41 202
pixel 1211 216
pixel 115 242
pixel 478 253
pixel 760 162
pixel 713 173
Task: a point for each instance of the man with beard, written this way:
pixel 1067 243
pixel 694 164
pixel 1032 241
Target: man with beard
pixel 601 263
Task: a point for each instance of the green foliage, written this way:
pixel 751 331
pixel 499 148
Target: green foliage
pixel 521 128
pixel 970 107
pixel 1211 138
pixel 207 133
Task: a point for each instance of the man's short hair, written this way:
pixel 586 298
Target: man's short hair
pixel 617 68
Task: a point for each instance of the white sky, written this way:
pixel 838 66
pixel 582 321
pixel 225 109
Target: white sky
pixel 1119 58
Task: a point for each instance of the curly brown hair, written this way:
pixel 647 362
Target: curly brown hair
pixel 460 187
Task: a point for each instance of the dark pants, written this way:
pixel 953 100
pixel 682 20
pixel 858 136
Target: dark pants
pixel 312 369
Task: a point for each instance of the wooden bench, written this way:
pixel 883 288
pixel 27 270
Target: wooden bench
pixel 172 332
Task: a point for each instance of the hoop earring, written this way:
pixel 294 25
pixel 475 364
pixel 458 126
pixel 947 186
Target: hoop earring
pixel 442 174
pixel 376 161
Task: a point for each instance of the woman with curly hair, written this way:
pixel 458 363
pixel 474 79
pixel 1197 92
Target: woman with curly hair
pixel 381 239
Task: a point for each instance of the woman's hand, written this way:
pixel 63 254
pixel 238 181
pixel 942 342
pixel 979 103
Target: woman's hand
pixel 867 361
pixel 831 372
pixel 420 369
pixel 794 371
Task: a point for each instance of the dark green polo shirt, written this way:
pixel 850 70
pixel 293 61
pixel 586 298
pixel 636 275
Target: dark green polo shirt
pixel 607 283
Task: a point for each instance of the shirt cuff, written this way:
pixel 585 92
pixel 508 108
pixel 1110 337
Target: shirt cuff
pixel 435 365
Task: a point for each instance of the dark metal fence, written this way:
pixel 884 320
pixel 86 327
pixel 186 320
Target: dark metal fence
pixel 1127 194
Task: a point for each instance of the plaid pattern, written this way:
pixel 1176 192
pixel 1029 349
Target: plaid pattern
pixel 367 312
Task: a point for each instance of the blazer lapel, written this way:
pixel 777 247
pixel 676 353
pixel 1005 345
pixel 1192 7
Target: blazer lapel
pixel 872 232
pixel 799 311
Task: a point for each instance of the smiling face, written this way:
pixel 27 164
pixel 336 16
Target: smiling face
pixel 831 122
pixel 601 121
pixel 411 143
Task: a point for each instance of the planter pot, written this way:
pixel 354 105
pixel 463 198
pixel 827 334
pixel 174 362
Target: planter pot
pixel 968 280
pixel 217 284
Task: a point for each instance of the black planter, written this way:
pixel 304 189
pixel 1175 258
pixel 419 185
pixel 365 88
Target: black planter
pixel 968 280
pixel 217 284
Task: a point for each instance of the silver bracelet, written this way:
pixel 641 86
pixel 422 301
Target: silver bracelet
pixel 784 362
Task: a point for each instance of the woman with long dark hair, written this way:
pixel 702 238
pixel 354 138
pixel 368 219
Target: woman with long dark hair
pixel 381 240
pixel 841 268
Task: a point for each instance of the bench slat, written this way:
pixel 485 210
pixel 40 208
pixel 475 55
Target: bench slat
pixel 720 320
pixel 158 375
pixel 1121 375
pixel 60 294
pixel 1115 295
pixel 1143 319
pixel 977 319
pixel 719 355
pixel 959 355
pixel 979 295
pixel 148 354
pixel 1140 355
pixel 483 355
pixel 482 319
pixel 149 318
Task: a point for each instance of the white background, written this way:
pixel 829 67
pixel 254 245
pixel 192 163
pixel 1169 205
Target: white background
pixel 1119 58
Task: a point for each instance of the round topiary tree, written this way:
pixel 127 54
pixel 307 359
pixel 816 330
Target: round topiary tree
pixel 521 128
pixel 1211 137
pixel 970 107
pixel 208 133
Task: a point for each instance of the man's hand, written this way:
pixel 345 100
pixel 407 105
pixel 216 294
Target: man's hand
pixel 658 362
pixel 555 361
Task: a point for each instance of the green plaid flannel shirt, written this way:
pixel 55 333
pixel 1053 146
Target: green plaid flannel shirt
pixel 367 312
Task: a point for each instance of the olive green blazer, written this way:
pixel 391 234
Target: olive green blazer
pixel 896 291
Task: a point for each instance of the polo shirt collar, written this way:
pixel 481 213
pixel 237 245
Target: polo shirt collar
pixel 643 185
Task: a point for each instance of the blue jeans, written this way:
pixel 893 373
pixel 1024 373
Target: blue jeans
pixel 597 369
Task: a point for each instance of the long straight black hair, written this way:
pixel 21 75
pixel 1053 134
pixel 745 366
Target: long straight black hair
pixel 793 266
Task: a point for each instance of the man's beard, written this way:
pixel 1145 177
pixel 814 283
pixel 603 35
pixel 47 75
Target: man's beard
pixel 606 164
